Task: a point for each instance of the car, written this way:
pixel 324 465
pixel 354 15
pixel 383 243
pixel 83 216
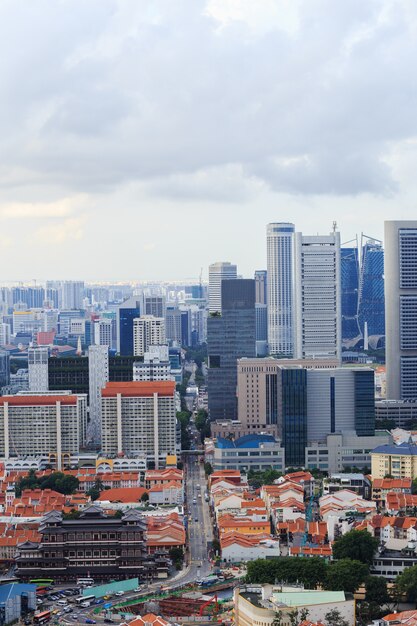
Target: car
pixel 196 519
pixel 90 621
pixel 107 620
pixel 120 593
pixel 137 589
pixel 99 601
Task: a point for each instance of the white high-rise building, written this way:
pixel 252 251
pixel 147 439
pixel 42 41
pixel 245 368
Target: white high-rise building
pixel 98 374
pixel 280 253
pixel 38 369
pixel 103 331
pixel 218 272
pixel 147 331
pixel 72 294
pixel 401 309
pixel 317 297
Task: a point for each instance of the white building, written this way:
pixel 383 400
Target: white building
pixel 103 330
pixel 147 331
pixel 217 273
pixel 42 424
pixel 72 294
pixel 139 417
pixel 38 369
pixel 401 309
pixel 21 320
pixel 240 548
pixel 5 331
pixel 280 253
pixel 317 297
pixel 98 374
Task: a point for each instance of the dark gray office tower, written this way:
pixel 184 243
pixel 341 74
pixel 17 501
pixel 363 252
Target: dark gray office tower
pixel 4 369
pixel 153 305
pixel 231 335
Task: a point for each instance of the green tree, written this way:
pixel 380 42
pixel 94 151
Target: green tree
pixel 215 544
pixel 73 514
pixel 406 583
pixel 144 497
pixel 208 469
pixel 414 486
pixel 358 545
pixel 376 590
pixel 346 575
pixel 278 619
pixel 334 618
pixel 304 614
pixel 176 554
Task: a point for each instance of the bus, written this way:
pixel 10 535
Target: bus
pixel 42 618
pixel 42 582
pixel 81 599
pixel 85 582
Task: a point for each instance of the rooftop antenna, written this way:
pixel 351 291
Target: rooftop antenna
pixel 334 226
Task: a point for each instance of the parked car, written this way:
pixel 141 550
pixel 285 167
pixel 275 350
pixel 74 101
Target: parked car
pixel 120 593
pixel 90 621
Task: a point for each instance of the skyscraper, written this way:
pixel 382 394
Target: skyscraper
pixel 261 286
pixel 126 313
pixel 371 287
pixel 38 369
pixel 401 309
pixel 217 273
pixel 349 266
pixel 103 332
pixel 72 294
pixel 317 301
pixel 153 305
pixel 230 336
pixel 280 241
pixel 148 331
pixel 98 375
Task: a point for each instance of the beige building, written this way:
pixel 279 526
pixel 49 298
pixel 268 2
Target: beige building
pixel 258 605
pixel 147 331
pixel 398 461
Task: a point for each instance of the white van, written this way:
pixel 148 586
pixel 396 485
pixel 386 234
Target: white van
pixel 62 602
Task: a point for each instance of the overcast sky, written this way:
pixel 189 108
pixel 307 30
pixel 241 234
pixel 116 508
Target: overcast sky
pixel 143 140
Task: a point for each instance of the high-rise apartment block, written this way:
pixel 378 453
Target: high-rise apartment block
pixel 103 331
pixel 147 331
pixel 218 272
pixel 42 424
pixel 280 253
pixel 155 365
pixel 72 294
pixel 401 309
pixel 98 375
pixel 38 369
pixel 317 301
pixel 230 335
pixel 139 417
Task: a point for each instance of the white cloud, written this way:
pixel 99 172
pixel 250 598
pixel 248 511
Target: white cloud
pixel 68 230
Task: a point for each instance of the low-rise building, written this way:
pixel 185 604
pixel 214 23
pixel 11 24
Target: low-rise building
pixel 251 452
pixel 398 461
pixel 359 483
pixel 381 487
pixel 240 548
pixel 259 604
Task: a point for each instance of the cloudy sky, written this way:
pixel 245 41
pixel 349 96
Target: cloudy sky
pixel 142 140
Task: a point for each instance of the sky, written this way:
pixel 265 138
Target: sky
pixel 143 140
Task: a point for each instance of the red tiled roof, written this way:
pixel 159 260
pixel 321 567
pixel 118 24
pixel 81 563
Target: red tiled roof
pixel 122 494
pixel 37 400
pixel 141 389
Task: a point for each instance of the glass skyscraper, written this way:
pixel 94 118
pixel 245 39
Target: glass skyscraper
pixel 371 288
pixel 349 262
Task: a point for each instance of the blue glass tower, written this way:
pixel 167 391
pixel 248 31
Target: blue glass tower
pixel 371 288
pixel 127 312
pixel 350 291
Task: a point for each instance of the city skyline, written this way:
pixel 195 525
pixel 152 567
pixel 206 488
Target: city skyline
pixel 138 129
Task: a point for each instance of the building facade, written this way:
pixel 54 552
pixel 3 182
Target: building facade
pixel 317 301
pixel 38 369
pixel 230 336
pixel 401 309
pixel 280 261
pixel 349 275
pixel 98 376
pixel 126 313
pixel 139 417
pixel 371 306
pixel 217 273
pixel 147 331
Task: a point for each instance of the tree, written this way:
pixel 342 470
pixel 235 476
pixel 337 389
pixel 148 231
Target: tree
pixel 278 619
pixel 406 583
pixel 144 497
pixel 73 514
pixel 215 544
pixel 358 545
pixel 334 618
pixel 208 469
pixel 414 486
pixel 293 615
pixel 304 614
pixel 176 554
pixel 347 575
pixel 376 590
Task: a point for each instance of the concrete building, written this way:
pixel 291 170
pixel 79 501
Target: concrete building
pixel 259 604
pixel 5 332
pixel 139 417
pixel 230 336
pixel 154 366
pixel 72 294
pixel 280 262
pixel 317 301
pixel 147 331
pixel 103 331
pixel 261 286
pixel 38 369
pixel 398 461
pixel 402 412
pixel 217 273
pixel 153 305
pixel 401 309
pixel 341 451
pixel 98 376
pixel 256 452
pixel 45 424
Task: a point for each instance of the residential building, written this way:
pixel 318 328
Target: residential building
pixel 72 294
pixel 94 544
pixel 280 261
pixel 240 548
pixel 397 461
pixel 230 336
pixel 126 313
pixel 381 487
pixel 359 483
pixel 251 452
pixel 259 604
pixel 218 272
pixel 147 331
pixel 317 297
pixel 349 276
pixel 139 417
pixel 38 369
pixel 98 376
pixel 32 424
pixel 150 619
pixel 371 302
pixel 155 365
pixel 401 309
pixel 103 331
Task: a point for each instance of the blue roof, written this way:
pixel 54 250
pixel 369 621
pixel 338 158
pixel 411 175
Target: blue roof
pixel 405 448
pixel 247 441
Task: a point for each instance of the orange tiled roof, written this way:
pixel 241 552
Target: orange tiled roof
pixel 391 483
pixel 122 494
pixel 141 389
